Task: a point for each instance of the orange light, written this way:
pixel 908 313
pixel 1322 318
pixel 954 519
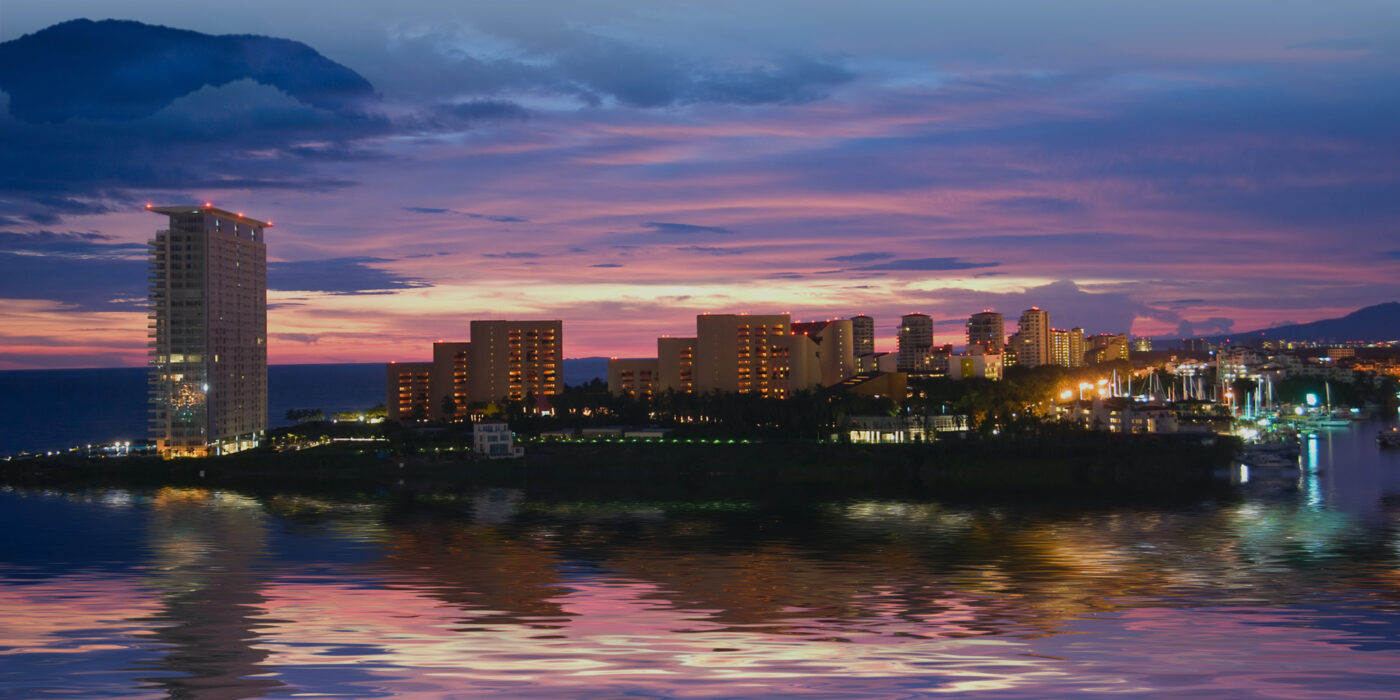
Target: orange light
pixel 148 205
pixel 208 205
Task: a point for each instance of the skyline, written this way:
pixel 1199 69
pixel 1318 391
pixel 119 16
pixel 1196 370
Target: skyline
pixel 626 166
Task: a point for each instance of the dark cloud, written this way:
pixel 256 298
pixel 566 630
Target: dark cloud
pixel 350 275
pixel 119 70
pixel 70 244
pixel 598 70
pixel 1212 325
pixel 79 282
pixel 926 265
pixel 84 271
pixel 1391 254
pixel 1035 205
pixel 96 110
pixel 860 257
pixel 668 227
pixel 478 110
pixel 1069 306
pixel 711 250
pixel 471 215
pixel 785 276
pixel 1085 238
pixel 522 255
pixel 1178 302
pixel 606 265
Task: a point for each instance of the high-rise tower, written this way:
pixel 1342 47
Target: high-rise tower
pixel 986 330
pixel 208 332
pixel 915 343
pixel 863 328
pixel 1033 338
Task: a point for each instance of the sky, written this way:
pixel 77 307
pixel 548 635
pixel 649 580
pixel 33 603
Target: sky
pixel 1154 169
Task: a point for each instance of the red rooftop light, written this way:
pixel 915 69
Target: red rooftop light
pixel 208 205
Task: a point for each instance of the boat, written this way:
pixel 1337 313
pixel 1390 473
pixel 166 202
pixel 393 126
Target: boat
pixel 1389 438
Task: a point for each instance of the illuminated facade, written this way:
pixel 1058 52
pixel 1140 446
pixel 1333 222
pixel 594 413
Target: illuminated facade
pixel 207 332
pixel 981 365
pixel 675 365
pixel 503 361
pixel 451 361
pixel 915 344
pixel 1067 347
pixel 515 359
pixel 1032 346
pixel 742 354
pixel 633 377
pixel 1108 347
pixel 408 391
pixel 986 330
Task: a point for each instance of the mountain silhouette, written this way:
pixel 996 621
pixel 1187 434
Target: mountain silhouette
pixel 1372 323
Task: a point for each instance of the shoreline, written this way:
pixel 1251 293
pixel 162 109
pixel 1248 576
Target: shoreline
pixel 1096 465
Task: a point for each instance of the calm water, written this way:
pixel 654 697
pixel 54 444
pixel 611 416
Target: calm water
pixel 60 408
pixel 1291 591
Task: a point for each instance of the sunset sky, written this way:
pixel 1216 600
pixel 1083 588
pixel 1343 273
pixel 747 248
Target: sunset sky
pixel 1159 169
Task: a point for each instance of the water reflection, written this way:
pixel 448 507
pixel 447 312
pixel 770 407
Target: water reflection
pixel 205 550
pixel 1290 592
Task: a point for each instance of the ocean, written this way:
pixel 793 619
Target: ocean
pixel 55 409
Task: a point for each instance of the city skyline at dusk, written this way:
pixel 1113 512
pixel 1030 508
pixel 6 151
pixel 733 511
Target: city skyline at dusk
pixel 625 166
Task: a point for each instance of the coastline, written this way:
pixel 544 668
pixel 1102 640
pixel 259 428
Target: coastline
pixel 1092 465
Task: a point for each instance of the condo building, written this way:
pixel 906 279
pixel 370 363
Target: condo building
pixel 739 353
pixel 1032 346
pixel 635 377
pixel 1067 347
pixel 834 348
pixel 408 391
pixel 986 330
pixel 1107 347
pixel 515 359
pixel 915 344
pixel 503 361
pixel 863 334
pixel 675 369
pixel 207 332
pixel 449 379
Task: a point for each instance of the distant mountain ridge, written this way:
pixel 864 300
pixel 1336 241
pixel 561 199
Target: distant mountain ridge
pixel 1369 324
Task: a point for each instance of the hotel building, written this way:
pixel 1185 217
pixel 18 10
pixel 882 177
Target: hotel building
pixel 514 359
pixel 742 354
pixel 207 332
pixel 449 378
pixel 675 369
pixel 635 377
pixel 408 391
pixel 503 361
